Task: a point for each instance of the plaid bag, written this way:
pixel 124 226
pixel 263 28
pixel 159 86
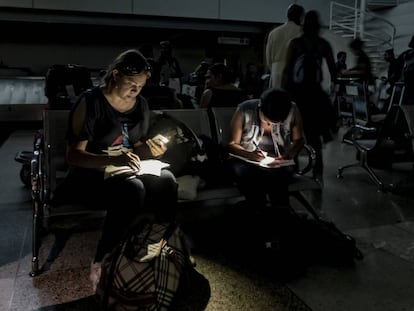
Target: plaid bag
pixel 143 272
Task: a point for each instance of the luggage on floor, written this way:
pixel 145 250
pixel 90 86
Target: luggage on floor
pixel 327 243
pixel 147 269
pixel 309 239
pixel 64 83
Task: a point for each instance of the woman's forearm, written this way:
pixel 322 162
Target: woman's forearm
pixel 89 160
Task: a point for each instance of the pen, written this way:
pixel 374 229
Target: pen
pixel 258 148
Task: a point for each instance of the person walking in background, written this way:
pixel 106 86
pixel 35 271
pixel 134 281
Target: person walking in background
pixel 340 62
pixel 363 72
pixel 302 77
pixel 277 42
pixel 363 67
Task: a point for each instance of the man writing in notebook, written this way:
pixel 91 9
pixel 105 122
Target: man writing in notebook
pixel 267 128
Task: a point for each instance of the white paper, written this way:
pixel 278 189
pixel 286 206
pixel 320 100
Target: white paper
pixel 266 161
pixel 148 167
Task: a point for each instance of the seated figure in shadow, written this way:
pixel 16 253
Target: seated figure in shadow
pixel 220 92
pixel 219 89
pixel 270 126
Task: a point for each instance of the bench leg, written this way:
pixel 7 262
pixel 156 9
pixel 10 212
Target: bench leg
pixel 36 236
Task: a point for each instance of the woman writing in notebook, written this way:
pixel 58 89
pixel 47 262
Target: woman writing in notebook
pixel 108 128
pixel 269 128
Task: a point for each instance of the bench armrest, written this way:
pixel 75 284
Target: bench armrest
pixel 310 159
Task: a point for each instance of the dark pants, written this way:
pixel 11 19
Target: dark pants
pixel 124 199
pixel 127 199
pixel 259 184
pixel 319 118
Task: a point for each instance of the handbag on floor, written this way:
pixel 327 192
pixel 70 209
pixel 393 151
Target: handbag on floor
pixel 327 243
pixel 144 272
pixel 307 238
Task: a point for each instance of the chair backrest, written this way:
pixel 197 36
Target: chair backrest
pixel 159 97
pixel 360 102
pixel 397 94
pixel 227 97
pixel 222 117
pixel 55 123
pixel 195 119
pixel 353 103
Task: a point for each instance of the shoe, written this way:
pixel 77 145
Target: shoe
pixel 95 274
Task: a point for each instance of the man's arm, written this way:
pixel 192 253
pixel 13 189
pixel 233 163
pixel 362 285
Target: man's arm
pixel 298 137
pixel 269 52
pixel 235 139
pixel 289 65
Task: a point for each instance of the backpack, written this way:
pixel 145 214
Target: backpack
pixel 143 272
pixel 64 83
pixel 183 145
pixel 325 242
pixel 307 68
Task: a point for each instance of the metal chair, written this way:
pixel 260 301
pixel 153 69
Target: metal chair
pixel 390 145
pixel 48 166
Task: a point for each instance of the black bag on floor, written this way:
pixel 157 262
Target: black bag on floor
pixel 327 243
pixel 64 83
pixel 304 239
pixel 145 271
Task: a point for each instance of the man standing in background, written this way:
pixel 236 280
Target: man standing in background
pixel 340 62
pixel 405 72
pixel 278 40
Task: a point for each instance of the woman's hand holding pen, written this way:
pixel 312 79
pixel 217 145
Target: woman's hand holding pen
pixel 258 154
pixel 127 158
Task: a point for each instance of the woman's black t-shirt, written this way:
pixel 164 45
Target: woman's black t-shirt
pixel 104 126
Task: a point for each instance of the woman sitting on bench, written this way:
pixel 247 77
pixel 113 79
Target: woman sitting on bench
pixel 265 137
pixel 107 130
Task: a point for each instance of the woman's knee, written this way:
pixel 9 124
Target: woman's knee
pixel 167 181
pixel 238 169
pixel 125 190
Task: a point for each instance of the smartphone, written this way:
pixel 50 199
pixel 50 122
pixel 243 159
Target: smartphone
pixel 160 139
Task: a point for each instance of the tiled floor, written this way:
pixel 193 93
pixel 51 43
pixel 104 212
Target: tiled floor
pixel 382 223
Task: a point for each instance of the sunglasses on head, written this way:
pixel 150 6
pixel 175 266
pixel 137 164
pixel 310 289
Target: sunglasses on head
pixel 133 70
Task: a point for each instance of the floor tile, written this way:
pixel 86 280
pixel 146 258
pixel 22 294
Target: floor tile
pixel 391 238
pixel 379 282
pixel 6 292
pixel 52 287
